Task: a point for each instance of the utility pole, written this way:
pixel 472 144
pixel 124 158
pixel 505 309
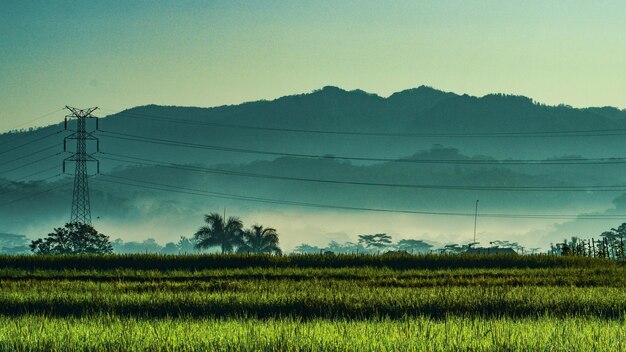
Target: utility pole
pixel 81 206
pixel 475 219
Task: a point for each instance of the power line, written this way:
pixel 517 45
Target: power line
pixel 36 194
pixel 31 163
pixel 564 161
pixel 42 180
pixel 149 162
pixel 533 134
pixel 35 119
pixel 185 190
pixel 30 142
pixel 28 155
pixel 31 175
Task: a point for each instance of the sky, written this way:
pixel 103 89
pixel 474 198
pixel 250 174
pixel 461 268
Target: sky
pixel 120 54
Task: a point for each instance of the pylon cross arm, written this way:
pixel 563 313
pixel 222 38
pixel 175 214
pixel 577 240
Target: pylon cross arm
pixel 85 158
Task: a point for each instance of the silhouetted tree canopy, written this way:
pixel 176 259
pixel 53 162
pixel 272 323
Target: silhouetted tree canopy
pixel 169 248
pixel 379 241
pixel 186 245
pixel 260 240
pixel 74 238
pixel 307 249
pixel 219 233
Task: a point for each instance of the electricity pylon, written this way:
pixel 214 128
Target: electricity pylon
pixel 81 207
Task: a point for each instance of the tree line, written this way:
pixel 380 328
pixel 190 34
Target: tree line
pixel 368 244
pixel 609 245
pixel 228 235
pixel 382 243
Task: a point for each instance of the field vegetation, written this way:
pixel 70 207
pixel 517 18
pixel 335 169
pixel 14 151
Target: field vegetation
pixel 312 302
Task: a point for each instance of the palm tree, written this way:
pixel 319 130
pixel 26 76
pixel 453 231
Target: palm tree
pixel 260 240
pixel 226 235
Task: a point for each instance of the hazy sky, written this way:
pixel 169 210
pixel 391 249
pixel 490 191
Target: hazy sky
pixel 118 54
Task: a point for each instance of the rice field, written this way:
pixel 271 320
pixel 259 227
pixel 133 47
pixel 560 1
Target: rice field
pixel 311 303
pixel 114 333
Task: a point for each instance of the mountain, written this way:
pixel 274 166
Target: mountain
pixel 291 142
pixel 417 111
pixel 422 111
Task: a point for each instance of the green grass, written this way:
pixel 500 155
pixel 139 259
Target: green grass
pixel 612 276
pixel 357 303
pixel 105 333
pixel 213 261
pixel 327 298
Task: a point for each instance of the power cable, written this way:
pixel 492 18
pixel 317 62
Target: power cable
pixel 533 134
pixel 149 162
pixel 564 161
pixel 35 119
pixel 28 155
pixel 31 163
pixel 30 142
pixel 184 190
pixel 33 174
pixel 36 194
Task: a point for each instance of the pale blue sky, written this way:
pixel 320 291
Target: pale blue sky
pixel 119 54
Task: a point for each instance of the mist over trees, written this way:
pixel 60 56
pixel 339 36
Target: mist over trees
pixel 84 239
pixel 183 246
pixel 369 244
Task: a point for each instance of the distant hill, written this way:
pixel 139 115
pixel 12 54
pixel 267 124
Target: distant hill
pixel 264 138
pixel 421 110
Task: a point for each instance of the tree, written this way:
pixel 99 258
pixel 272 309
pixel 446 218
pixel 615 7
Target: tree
pixel 619 232
pixel 413 246
pixel 260 240
pixel 378 241
pixel 186 245
pixel 74 238
pixel 170 248
pixel 345 248
pixel 565 248
pixel 610 235
pixel 307 249
pixel 220 233
pixel 149 245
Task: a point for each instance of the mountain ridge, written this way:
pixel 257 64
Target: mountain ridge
pixel 202 136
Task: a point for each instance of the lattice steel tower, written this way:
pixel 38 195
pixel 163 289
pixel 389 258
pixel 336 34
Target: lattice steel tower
pixel 81 207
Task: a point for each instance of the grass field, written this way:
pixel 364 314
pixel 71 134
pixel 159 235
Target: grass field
pixel 239 303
